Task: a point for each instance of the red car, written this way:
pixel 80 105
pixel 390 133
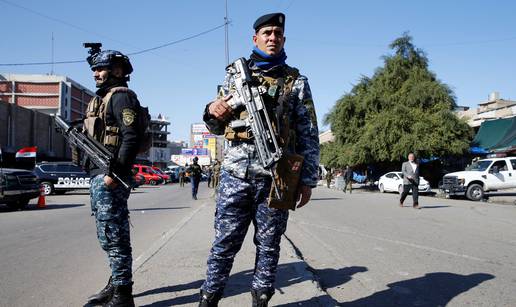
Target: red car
pixel 166 178
pixel 148 173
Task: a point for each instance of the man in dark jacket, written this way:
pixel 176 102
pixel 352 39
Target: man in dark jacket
pixel 117 108
pixel 348 179
pixel 195 172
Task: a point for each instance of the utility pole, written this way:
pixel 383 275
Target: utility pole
pixel 226 35
pixel 52 66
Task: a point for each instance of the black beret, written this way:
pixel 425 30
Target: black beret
pixel 274 19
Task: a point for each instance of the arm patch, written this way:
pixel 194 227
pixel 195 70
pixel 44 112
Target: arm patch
pixel 128 116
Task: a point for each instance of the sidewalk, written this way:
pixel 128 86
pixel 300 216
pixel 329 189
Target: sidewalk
pixel 171 272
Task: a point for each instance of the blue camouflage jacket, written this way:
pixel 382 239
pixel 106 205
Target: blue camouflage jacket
pixel 241 159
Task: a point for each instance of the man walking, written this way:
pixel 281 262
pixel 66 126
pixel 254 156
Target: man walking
pixel 410 170
pixel 118 109
pixel 245 185
pixel 348 179
pixel 195 172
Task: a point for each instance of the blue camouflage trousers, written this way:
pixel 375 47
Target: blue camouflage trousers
pixel 109 207
pixel 239 203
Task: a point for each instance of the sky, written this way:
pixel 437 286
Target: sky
pixel 470 45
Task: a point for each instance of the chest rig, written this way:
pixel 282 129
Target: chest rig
pixel 276 92
pixel 95 123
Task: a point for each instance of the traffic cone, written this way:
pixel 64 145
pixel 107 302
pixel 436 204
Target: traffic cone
pixel 41 200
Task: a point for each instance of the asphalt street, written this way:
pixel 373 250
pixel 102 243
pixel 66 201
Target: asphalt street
pixel 340 250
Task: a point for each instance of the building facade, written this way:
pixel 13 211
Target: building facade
pixel 49 94
pixel 160 151
pixel 493 108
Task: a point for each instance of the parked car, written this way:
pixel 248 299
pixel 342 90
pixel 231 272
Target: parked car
pixel 482 176
pixel 148 173
pixel 17 187
pixel 166 177
pixel 59 177
pixel 393 182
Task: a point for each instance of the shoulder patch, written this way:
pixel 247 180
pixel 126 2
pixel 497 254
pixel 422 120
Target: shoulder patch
pixel 128 116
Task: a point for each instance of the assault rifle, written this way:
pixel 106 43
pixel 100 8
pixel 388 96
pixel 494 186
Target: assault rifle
pixel 96 152
pixel 258 121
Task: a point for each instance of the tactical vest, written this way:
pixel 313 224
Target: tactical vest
pixel 276 99
pixel 95 122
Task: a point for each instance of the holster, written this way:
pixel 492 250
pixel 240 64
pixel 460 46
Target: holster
pixel 287 175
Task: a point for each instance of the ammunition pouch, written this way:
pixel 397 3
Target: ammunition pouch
pixel 240 133
pixel 286 177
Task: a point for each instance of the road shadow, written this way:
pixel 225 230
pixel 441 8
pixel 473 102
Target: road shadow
pixel 434 207
pixel 32 207
pixel 326 198
pixel 433 289
pixel 288 274
pixel 153 209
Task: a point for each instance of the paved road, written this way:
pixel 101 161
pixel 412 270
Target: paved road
pixel 362 249
pixel 51 257
pixel 367 251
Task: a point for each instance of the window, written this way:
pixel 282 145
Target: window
pixel 390 176
pixel 48 168
pixel 501 165
pixel 513 164
pixel 63 168
pixel 75 169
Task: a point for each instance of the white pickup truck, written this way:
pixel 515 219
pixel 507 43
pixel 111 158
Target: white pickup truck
pixel 482 176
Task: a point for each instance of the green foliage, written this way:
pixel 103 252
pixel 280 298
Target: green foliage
pixel 402 108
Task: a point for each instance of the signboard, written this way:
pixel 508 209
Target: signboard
pixel 194 151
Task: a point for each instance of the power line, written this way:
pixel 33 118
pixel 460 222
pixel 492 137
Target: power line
pixel 61 21
pixel 132 53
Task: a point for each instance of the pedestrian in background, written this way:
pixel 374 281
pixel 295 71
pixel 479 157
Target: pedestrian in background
pixel 348 179
pixel 195 172
pixel 209 173
pixel 182 177
pixel 329 177
pixel 410 170
pixel 216 174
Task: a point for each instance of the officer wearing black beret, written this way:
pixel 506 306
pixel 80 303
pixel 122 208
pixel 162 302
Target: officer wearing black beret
pixel 243 196
pixel 274 19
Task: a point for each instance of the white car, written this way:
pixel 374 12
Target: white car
pixel 393 182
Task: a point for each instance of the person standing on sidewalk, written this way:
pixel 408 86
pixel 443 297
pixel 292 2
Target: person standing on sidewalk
pixel 329 177
pixel 348 179
pixel 181 177
pixel 195 172
pixel 118 109
pixel 216 174
pixel 410 170
pixel 245 186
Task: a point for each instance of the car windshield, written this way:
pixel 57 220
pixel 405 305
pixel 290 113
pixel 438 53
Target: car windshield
pixel 479 166
pixel 157 170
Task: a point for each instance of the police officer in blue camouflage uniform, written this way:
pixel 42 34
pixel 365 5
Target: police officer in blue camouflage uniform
pixel 117 107
pixel 244 184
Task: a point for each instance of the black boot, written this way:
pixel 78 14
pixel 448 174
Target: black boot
pixel 103 296
pixel 209 299
pixel 122 297
pixel 261 297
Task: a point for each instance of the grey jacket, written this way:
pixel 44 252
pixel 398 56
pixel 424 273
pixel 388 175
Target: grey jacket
pixel 407 171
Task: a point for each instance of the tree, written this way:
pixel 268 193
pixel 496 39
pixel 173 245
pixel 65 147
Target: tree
pixel 402 108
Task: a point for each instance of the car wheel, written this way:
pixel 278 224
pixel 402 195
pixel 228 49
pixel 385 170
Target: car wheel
pixel 475 192
pixel 18 205
pixel 153 182
pixel 400 189
pixel 380 187
pixel 48 187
